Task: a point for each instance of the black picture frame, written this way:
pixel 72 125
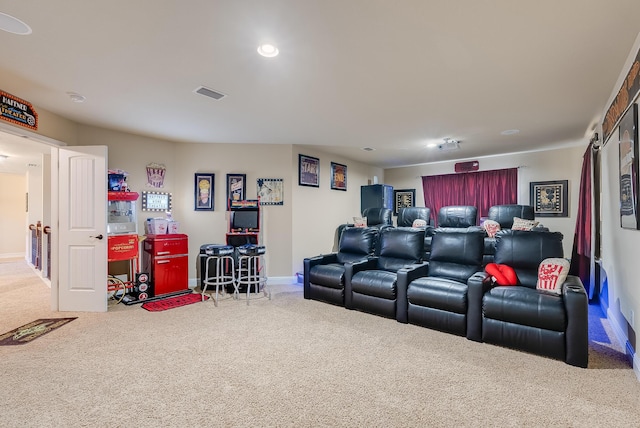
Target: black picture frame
pixel 204 184
pixel 338 176
pixel 628 169
pixel 403 198
pixel 549 198
pixel 236 188
pixel 308 171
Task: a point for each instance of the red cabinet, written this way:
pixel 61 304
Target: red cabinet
pixel 166 258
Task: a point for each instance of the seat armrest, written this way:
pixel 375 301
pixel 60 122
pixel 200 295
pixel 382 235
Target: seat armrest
pixel 576 305
pixel 310 262
pixel 404 278
pixel 476 287
pixel 351 269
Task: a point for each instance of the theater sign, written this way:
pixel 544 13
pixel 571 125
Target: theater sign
pixel 17 111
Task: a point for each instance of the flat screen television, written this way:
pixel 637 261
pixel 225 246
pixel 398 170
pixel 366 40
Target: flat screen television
pixel 245 220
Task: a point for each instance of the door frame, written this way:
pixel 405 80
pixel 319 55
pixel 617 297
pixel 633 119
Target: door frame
pixel 53 208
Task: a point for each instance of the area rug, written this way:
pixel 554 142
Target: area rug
pixel 173 302
pixel 32 331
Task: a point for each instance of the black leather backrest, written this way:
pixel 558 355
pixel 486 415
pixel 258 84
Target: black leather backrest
pixel 400 247
pixel 524 250
pixel 504 214
pixel 457 216
pixel 378 216
pixel 456 253
pixel 406 216
pixel 357 243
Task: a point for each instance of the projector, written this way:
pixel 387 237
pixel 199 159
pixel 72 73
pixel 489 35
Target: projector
pixel 449 145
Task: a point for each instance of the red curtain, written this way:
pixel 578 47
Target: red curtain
pixel 581 254
pixel 480 189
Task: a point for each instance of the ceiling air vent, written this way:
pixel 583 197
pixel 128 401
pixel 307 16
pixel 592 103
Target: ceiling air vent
pixel 207 92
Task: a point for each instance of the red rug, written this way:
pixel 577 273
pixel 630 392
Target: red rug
pixel 173 302
pixel 32 331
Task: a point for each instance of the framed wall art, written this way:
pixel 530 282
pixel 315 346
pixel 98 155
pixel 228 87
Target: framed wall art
pixel 404 198
pixel 338 176
pixel 203 191
pixel 308 171
pixel 549 198
pixel 156 201
pixel 236 188
pixel 628 168
pixel 271 191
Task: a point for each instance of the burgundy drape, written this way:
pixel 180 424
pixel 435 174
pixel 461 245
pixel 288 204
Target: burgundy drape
pixel 581 254
pixel 481 189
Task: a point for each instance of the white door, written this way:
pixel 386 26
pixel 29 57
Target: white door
pixel 82 227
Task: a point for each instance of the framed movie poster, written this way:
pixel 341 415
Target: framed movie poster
pixel 308 171
pixel 549 198
pixel 404 198
pixel 338 176
pixel 271 191
pixel 628 155
pixel 236 188
pixel 203 191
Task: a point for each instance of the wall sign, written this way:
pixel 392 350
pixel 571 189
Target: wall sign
pixel 156 201
pixel 625 96
pixel 18 111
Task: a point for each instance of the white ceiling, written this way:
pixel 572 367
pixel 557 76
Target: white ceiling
pixel 391 75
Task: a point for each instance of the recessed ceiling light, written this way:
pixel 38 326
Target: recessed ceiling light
pixel 13 25
pixel 76 98
pixel 268 50
pixel 368 149
pixel 510 132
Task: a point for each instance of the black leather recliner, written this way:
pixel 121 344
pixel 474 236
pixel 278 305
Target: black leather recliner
pixel 324 274
pixel 504 214
pixel 457 216
pixel 378 217
pixel 407 215
pixel 371 285
pixel 454 216
pixel 436 296
pixel 523 317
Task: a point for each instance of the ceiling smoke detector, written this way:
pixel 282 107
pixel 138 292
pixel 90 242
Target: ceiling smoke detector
pixel 449 145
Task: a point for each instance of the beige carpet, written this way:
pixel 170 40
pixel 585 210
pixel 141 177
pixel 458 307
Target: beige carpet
pixel 287 362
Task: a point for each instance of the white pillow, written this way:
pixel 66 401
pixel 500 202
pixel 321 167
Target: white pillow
pixel 522 224
pixel 552 273
pixel 418 223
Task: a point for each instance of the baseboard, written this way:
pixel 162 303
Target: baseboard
pixel 622 337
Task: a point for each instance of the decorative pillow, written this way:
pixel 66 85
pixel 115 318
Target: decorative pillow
pixel 491 227
pixel 522 224
pixel 419 223
pixel 502 274
pixel 360 221
pixel 552 273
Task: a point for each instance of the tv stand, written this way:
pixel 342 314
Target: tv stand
pixel 237 239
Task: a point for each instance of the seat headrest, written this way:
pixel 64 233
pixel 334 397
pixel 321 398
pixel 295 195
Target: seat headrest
pixel 457 216
pixel 406 216
pixel 504 214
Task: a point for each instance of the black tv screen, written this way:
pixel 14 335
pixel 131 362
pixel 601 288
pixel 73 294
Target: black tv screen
pixel 244 219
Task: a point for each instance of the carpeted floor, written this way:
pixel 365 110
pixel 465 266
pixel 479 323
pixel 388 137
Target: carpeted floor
pixel 288 362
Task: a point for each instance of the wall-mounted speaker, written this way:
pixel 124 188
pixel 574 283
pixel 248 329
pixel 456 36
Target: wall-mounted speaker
pixel 467 166
pixel 142 287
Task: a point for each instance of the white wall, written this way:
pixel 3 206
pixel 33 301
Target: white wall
pixel 560 164
pixel 303 226
pixel 13 215
pixel 619 256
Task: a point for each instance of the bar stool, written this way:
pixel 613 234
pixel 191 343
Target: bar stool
pixel 252 270
pixel 224 273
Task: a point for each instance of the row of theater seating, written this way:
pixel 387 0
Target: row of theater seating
pixel 382 271
pixel 458 216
